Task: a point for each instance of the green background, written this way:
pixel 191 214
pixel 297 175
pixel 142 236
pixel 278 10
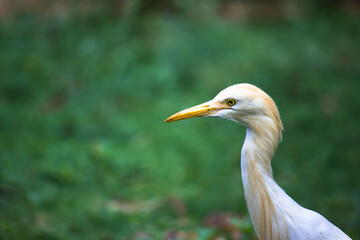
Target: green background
pixel 84 152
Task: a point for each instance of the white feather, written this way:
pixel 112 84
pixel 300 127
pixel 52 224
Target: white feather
pixel 300 222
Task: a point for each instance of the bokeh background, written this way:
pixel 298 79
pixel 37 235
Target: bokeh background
pixel 85 86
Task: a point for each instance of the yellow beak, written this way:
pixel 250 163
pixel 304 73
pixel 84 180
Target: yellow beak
pixel 201 110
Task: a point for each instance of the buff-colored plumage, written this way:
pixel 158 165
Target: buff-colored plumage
pixel 274 214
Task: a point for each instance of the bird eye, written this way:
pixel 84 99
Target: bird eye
pixel 231 101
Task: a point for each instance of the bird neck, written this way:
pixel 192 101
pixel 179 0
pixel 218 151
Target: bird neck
pixel 259 186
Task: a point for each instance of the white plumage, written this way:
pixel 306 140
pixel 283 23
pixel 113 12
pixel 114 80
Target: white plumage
pixel 274 214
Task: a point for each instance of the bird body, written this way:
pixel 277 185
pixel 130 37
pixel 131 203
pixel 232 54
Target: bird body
pixel 274 214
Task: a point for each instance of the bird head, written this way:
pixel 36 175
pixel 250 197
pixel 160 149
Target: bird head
pixel 243 103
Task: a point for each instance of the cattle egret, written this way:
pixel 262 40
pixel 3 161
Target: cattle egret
pixel 274 214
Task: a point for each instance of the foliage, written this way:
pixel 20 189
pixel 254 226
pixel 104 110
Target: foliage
pixel 84 152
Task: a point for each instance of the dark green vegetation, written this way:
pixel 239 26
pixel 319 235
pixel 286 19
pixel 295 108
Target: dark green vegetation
pixel 84 152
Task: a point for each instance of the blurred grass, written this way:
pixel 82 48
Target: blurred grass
pixel 84 152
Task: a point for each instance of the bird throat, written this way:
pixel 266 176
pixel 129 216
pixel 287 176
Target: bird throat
pixel 259 185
